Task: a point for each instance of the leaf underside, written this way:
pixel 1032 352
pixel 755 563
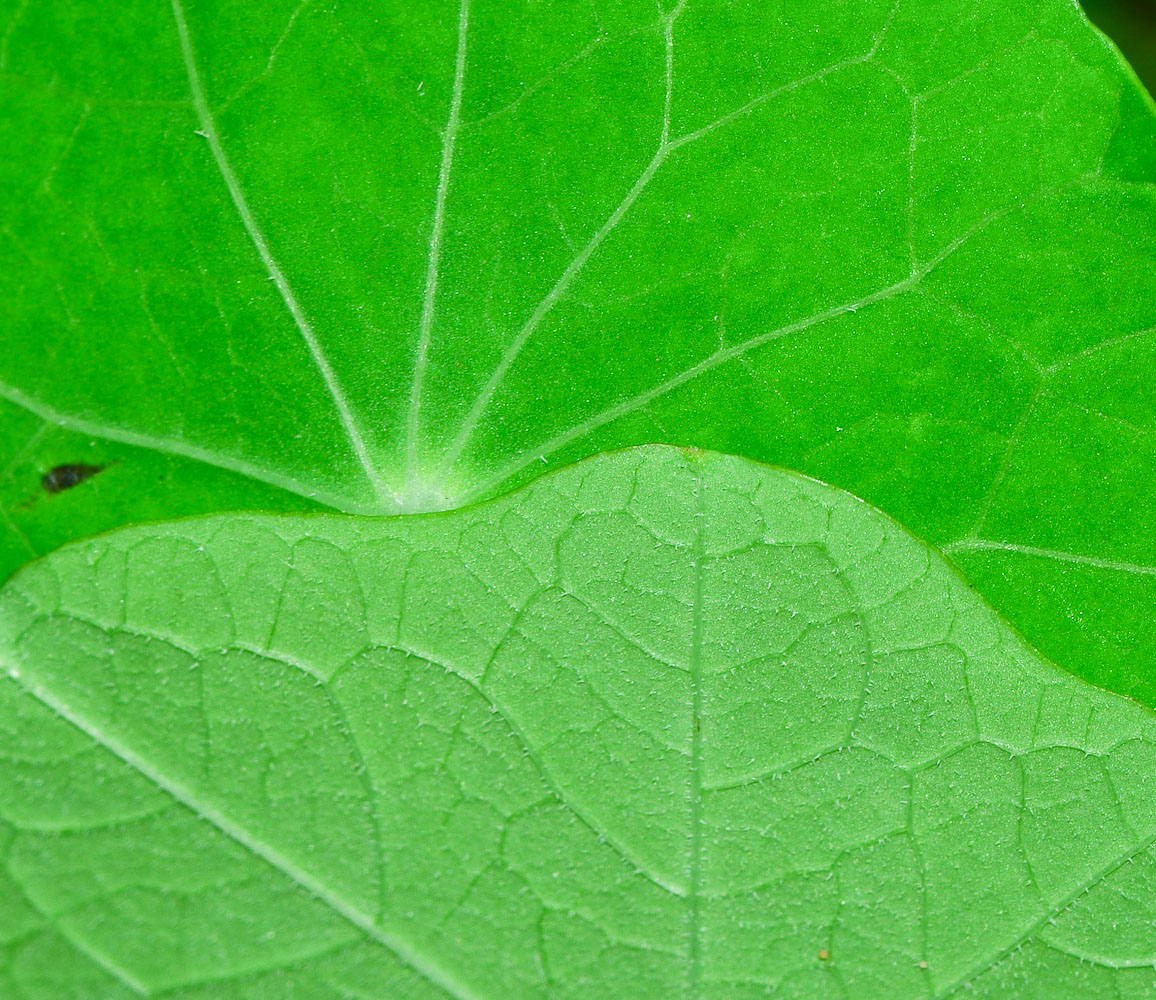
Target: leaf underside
pixel 380 256
pixel 662 724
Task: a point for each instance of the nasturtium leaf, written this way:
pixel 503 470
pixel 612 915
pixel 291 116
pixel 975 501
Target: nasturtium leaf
pixel 662 724
pixel 384 256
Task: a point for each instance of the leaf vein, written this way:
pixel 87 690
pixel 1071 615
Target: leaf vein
pixel 985 545
pixel 181 449
pixel 694 887
pixel 1047 917
pixel 449 141
pixel 237 833
pixel 209 130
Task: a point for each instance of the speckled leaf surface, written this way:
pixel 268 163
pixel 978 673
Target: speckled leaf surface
pixel 387 255
pixel 658 725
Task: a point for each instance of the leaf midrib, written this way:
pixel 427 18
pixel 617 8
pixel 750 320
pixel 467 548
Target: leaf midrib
pixel 694 887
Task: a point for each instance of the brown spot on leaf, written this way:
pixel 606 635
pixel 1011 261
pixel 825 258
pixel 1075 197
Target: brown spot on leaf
pixel 64 477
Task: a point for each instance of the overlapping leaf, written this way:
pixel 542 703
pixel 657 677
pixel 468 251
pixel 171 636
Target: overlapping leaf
pixel 385 255
pixel 659 725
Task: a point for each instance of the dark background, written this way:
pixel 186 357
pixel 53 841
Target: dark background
pixel 1131 24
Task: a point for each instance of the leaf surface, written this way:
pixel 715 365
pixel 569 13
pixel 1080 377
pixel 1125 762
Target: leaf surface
pixel 376 256
pixel 658 725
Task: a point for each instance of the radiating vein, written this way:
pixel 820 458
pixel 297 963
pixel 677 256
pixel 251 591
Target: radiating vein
pixel 984 545
pixel 725 354
pixel 449 141
pixel 180 449
pixel 470 423
pixel 544 306
pixel 237 833
pixel 666 146
pixel 711 361
pixel 209 130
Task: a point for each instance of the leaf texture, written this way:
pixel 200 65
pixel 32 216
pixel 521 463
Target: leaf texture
pixel 376 257
pixel 662 724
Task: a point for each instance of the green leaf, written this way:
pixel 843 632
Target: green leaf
pixel 659 725
pixel 380 256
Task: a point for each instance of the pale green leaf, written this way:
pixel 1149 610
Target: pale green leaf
pixel 659 725
pixel 391 255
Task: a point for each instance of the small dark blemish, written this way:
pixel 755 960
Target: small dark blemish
pixel 64 477
pixel 824 954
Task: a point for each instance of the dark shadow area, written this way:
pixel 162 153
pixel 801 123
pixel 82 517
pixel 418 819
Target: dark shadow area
pixel 1131 24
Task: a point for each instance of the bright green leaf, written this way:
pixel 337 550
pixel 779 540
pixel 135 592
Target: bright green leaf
pixel 385 254
pixel 659 725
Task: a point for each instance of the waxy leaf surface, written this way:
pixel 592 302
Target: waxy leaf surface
pixel 663 724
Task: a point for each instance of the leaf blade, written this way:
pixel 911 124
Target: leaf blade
pixel 502 713
pixel 907 249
